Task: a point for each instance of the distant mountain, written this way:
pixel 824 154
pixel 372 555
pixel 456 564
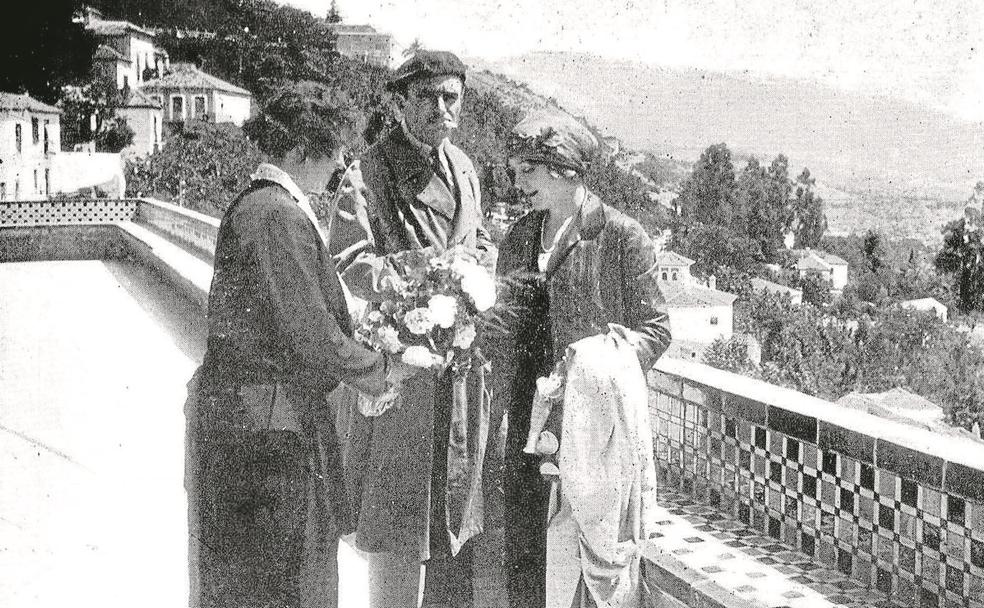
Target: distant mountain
pixel 867 148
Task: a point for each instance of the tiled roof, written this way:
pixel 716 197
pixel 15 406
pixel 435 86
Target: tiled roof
pixel 139 99
pixel 763 285
pixel 13 101
pixel 670 258
pixel 187 76
pixel 831 258
pixel 103 27
pixel 107 52
pixel 817 259
pixel 681 293
pixel 923 304
pixel 812 261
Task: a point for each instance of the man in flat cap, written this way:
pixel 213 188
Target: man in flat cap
pixel 415 471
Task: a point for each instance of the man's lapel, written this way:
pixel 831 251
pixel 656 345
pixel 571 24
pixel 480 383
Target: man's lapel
pixel 415 176
pixel 586 225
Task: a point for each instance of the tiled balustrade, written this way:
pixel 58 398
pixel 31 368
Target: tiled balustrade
pixel 897 508
pixel 65 212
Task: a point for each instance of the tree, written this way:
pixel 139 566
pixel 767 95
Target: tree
pixel 714 246
pixel 816 290
pixel 962 254
pixel 810 218
pixel 333 15
pixel 49 50
pixel 708 195
pixel 202 167
pixel 731 355
pixel 89 115
pixel 873 251
pixel 763 210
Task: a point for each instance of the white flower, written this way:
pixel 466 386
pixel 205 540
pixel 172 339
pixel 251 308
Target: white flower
pixel 443 310
pixel 464 336
pixel 478 284
pixel 389 339
pixel 439 263
pixel 419 321
pixel 375 316
pixel 461 266
pixel 551 387
pixel 421 356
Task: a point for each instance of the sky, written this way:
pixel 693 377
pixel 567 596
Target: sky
pixel 925 51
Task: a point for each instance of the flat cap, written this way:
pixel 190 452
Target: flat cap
pixel 425 64
pixel 554 138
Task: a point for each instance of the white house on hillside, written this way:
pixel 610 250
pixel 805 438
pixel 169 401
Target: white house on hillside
pixel 187 93
pixel 671 266
pixel 29 138
pixel 699 314
pixel 927 304
pixel 827 266
pixel 146 117
pixel 795 295
pixel 126 52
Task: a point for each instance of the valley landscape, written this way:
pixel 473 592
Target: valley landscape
pixel 881 163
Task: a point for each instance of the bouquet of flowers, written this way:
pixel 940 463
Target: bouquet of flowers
pixel 432 310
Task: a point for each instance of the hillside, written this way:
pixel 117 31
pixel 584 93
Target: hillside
pixel 882 159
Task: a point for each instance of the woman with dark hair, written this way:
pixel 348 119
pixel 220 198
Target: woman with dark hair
pixel 581 268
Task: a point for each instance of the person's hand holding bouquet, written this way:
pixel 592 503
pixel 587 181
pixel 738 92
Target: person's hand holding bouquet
pixel 431 312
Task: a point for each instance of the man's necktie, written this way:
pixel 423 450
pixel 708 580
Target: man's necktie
pixel 442 171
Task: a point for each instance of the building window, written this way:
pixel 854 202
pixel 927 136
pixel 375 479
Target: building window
pixel 35 131
pixel 200 107
pixel 18 137
pixel 46 123
pixel 674 275
pixel 714 320
pixel 177 108
pixel 37 186
pixel 157 133
pixel 47 182
pixel 3 191
pixel 664 275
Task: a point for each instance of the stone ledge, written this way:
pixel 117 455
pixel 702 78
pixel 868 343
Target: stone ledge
pixel 961 450
pixel 669 576
pixel 190 275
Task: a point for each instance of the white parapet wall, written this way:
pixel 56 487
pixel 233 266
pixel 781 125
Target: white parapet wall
pixel 80 171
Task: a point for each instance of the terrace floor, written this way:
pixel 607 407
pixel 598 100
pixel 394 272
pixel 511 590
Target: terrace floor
pixel 94 356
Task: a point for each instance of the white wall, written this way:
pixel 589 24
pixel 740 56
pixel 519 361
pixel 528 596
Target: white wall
pixel 141 57
pixel 230 108
pixel 73 171
pixel 693 323
pixel 22 173
pixel 839 277
pixel 146 131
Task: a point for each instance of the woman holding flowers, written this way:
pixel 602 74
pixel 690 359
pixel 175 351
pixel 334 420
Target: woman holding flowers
pixel 578 265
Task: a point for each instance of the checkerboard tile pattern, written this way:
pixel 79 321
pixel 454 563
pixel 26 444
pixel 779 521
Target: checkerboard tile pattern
pixel 752 565
pixel 892 519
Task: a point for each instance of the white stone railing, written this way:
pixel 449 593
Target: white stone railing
pixel 184 226
pixel 896 507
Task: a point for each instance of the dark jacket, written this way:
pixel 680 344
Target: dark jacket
pixel 418 467
pixel 599 273
pixel 276 309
